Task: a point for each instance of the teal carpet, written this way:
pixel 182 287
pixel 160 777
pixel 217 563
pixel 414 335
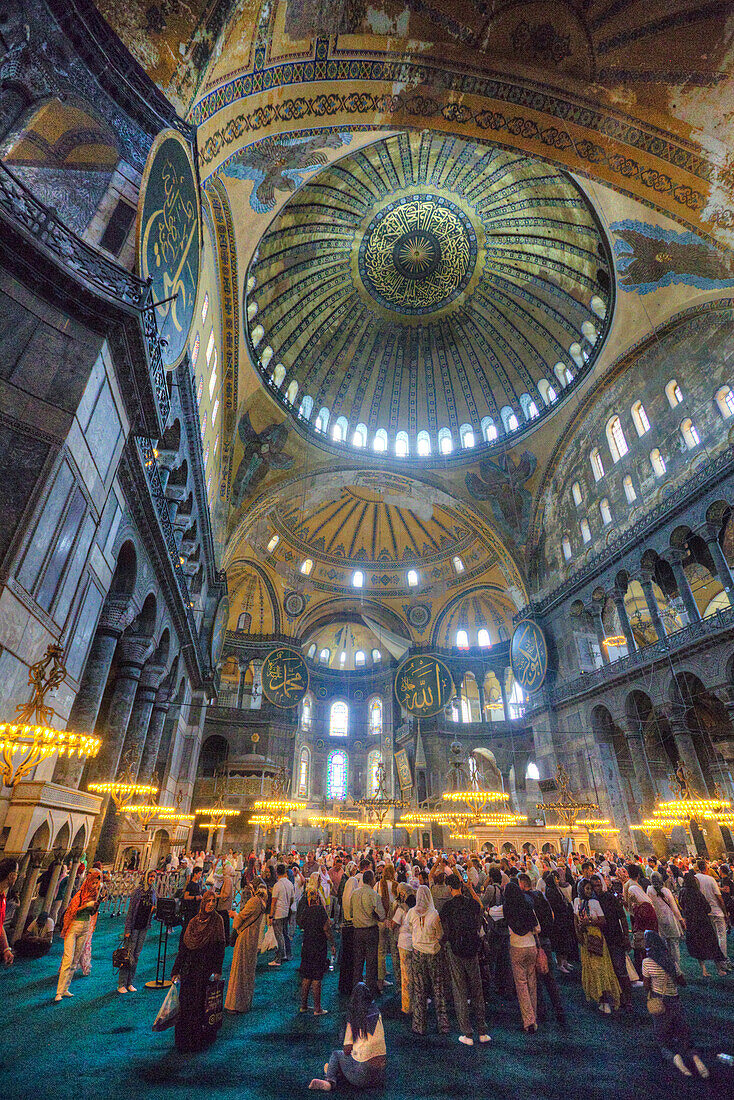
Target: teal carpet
pixel 100 1045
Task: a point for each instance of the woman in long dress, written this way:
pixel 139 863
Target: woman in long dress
pixel 317 935
pixel 200 955
pixel 246 930
pixel 597 973
pixel 701 941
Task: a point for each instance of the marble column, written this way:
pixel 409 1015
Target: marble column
pixel 480 690
pixel 70 883
pixel 624 619
pixel 158 716
pixel 652 606
pixel 634 736
pixel 137 727
pixel 53 884
pixel 684 588
pixel 596 614
pixel 84 711
pixel 711 535
pixel 687 750
pixel 26 896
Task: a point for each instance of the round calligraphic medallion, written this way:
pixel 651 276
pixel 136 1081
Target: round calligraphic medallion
pixel 285 677
pixel 529 655
pixel 423 685
pixel 169 240
pixel 219 631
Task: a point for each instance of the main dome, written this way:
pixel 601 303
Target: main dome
pixel 426 294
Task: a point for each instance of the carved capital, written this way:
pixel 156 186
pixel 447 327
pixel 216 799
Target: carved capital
pixel 134 649
pixel 117 614
pixel 151 676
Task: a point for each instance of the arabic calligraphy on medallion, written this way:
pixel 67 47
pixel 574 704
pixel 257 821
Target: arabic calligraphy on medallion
pixel 284 677
pixel 529 655
pixel 423 685
pixel 169 253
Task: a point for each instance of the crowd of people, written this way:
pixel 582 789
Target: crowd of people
pixel 455 927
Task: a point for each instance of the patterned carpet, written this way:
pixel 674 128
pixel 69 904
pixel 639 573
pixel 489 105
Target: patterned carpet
pixel 100 1045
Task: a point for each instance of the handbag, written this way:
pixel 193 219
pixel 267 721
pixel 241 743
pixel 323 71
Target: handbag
pixel 541 962
pixel 595 942
pixel 655 1004
pixel 214 1003
pixel 169 1010
pixel 269 941
pixel 121 956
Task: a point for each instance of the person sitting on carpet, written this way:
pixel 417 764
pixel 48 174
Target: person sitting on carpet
pixel 363 1059
pixel 37 939
pixel 661 978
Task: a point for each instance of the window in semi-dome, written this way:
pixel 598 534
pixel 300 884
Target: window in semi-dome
pixel 615 438
pixel 360 436
pixel 210 348
pixel 466 434
pixel 360 658
pixel 273 543
pixel 337 775
pixel 357 578
pixel 445 442
pixel 673 393
pixel 585 530
pixel 458 564
pixel 690 433
pixel 462 639
pixel 483 639
pixel 640 419
pixel 195 352
pixel 322 420
pixel 489 429
pixel 342 658
pixel 629 490
pixel 340 429
pixel 278 375
pixel 412 578
pixel 306 566
pixel 423 444
pixel 605 511
pixel 311 650
pixel 215 410
pixel 324 656
pixel 576 493
pixel 303 774
pixel 658 463
pixel 339 719
pixel 379 443
pixel 563 373
pixel 402 445
pixel 546 391
pixel 532 771
pixel 205 307
pixel 304 413
pixel 292 392
pixel 597 465
pixel 374 759
pixel 307 707
pixel 725 400
pixel 512 422
pixel 376 656
pixel 528 406
pixel 567 552
pixel 375 717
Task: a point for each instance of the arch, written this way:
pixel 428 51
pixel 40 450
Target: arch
pixel 564 374
pixel 413 578
pixel 322 420
pixel 62 838
pixel 616 438
pixel 272 543
pixel 423 444
pixel 576 493
pixel 462 639
pixel 528 406
pixel 304 769
pixel 360 658
pixel 41 839
pixel 673 393
pixel 509 419
pixel 340 429
pixel 374 759
pixel 605 511
pixel 546 391
pixel 374 713
pixel 126 571
pixel 306 566
pixel 402 445
pixel 359 438
pixel 292 392
pixel 597 465
pixel 689 431
pixel 483 639
pixel 307 704
pixel 258 593
pixel 466 435
pixel 724 398
pixel 213 756
pixel 357 578
pixel 339 719
pixel 265 357
pixel 279 375
pixel 379 443
pixel 257 335
pixel 657 462
pixel 337 775
pixel 589 331
pixel 566 547
pixel 489 429
pixel 305 408
pixel 629 490
pixel 445 441
pixel 640 418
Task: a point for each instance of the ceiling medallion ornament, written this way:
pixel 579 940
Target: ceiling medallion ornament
pixel 417 254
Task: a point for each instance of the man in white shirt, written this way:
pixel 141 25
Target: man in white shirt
pixel 280 908
pixel 712 893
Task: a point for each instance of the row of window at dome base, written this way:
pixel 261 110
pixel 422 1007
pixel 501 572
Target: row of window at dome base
pixel 618 448
pixel 339 716
pixel 360 656
pixel 412 576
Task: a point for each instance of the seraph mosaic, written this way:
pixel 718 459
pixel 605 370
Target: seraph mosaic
pixel 649 257
pixel 281 164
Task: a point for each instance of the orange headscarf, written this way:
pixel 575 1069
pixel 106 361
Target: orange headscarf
pixel 89 892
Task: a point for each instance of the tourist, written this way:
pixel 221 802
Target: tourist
pixel 280 909
pixel 200 955
pixel 563 939
pixel 598 978
pixel 225 897
pixel 139 918
pixel 388 942
pixel 346 952
pixel 192 895
pixel 670 919
pixel 8 875
pixel 717 908
pixel 524 928
pixel 246 932
pixel 661 979
pixel 547 978
pixel 617 936
pixel 426 934
pixel 317 937
pixel 405 902
pixel 460 920
pixel 701 939
pixel 37 938
pixel 75 929
pixel 644 917
pixel 366 911
pixel 362 1060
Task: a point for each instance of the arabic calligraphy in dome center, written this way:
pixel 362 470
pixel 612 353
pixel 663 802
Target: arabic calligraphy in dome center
pixel 425 283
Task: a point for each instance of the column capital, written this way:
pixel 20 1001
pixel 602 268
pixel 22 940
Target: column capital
pixel 152 676
pixel 163 696
pixel 134 649
pixel 117 614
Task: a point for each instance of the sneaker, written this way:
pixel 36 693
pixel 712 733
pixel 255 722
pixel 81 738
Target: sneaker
pixel 131 989
pixel 466 1040
pixel 681 1066
pixel 485 1038
pixel 273 962
pixel 122 989
pixel 701 1068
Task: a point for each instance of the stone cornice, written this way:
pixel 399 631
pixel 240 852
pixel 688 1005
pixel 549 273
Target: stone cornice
pixel 192 428
pixel 37 792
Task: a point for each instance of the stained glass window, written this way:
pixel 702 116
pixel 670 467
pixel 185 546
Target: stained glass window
pixel 374 758
pixel 336 775
pixel 376 716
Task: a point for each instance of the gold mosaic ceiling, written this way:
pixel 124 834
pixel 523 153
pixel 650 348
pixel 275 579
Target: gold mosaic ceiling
pixel 425 283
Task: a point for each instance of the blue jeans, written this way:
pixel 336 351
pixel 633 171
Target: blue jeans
pixel 280 928
pixel 342 1067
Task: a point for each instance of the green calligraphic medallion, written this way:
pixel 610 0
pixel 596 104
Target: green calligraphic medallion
pixel 219 631
pixel 169 240
pixel 529 655
pixel 423 685
pixel 285 677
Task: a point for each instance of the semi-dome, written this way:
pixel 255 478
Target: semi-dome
pixel 426 295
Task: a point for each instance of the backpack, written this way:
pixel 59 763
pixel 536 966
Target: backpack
pixel 464 935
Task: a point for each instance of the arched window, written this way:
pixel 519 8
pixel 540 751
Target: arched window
pixel 725 400
pixel 206 456
pixel 690 433
pixel 359 439
pixel 567 553
pixel 462 639
pixel 339 719
pixel 205 307
pixel 251 310
pixel 402 445
pixel 324 656
pixel 673 393
pixel 244 622
pixel 605 511
pixel 589 331
pixel 379 443
pixel 585 530
pixel 509 419
pixel 374 759
pixel 489 429
pixel 483 639
pixel 322 420
pixel 412 578
pixel 210 347
pixel 597 465
pixel 657 462
pixel 376 656
pixel 546 391
pixel 616 440
pixel 458 564
pixel 532 772
pixel 267 355
pixel 375 717
pixel 357 578
pixel 304 413
pixel 528 406
pixel 342 658
pixel 466 435
pixel 215 410
pixel 306 566
pixel 203 424
pixel 445 442
pixel 303 773
pixel 195 352
pixel 292 392
pixel 359 658
pixel 576 493
pixel 307 706
pixel 639 417
pixel 337 775
pixel 273 543
pixel 598 306
pixel 423 444
pixel 629 490
pixel 341 427
pixel 279 376
pixel 563 373
pixel 578 354
pixel 311 651
pixel 257 335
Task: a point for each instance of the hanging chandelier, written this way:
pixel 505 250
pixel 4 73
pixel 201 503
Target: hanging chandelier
pixel 687 809
pixel 124 789
pixel 568 809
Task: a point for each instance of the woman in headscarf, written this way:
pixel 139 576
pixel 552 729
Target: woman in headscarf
pixel 201 954
pixel 225 897
pixel 644 919
pixel 597 972
pixel 524 928
pixel 701 940
pixel 388 943
pixel 563 937
pixel 137 922
pixel 404 940
pixel 426 933
pixel 317 935
pixel 246 929
pixel 662 979
pixel 670 920
pixel 85 962
pixel 362 1060
pixel 75 929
